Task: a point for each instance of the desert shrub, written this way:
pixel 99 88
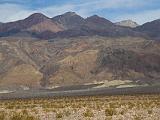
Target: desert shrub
pixel 67 113
pixel 10 107
pixel 22 116
pixel 16 116
pixel 131 105
pixel 35 111
pixel 88 113
pixel 24 112
pixel 136 117
pixel 59 115
pixel 150 111
pixel 2 115
pixel 110 112
pixel 122 112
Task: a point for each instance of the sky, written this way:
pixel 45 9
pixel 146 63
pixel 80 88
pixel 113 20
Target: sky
pixel 140 11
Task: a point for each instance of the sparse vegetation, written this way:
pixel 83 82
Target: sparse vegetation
pixel 2 115
pixel 97 107
pixel 59 115
pixel 88 113
pixel 22 116
pixel 110 112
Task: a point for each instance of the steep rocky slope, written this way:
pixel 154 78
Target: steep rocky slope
pixel 91 26
pixel 34 24
pixel 27 62
pixel 69 20
pixel 150 28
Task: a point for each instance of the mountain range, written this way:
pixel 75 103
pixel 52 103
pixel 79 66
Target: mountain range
pixel 71 25
pixel 66 50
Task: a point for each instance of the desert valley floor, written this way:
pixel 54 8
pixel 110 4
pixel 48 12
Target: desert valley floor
pixel 122 107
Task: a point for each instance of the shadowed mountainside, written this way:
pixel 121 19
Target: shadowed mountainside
pixel 151 28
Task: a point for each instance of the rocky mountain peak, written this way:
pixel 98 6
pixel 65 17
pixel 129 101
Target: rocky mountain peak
pixel 37 17
pixel 69 14
pixel 127 23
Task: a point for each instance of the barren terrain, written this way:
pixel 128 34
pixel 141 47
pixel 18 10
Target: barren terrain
pixel 137 107
pixel 124 61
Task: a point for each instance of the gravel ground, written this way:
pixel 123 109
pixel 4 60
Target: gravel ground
pixel 124 107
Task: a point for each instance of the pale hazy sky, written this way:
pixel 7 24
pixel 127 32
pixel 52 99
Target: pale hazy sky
pixel 140 11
